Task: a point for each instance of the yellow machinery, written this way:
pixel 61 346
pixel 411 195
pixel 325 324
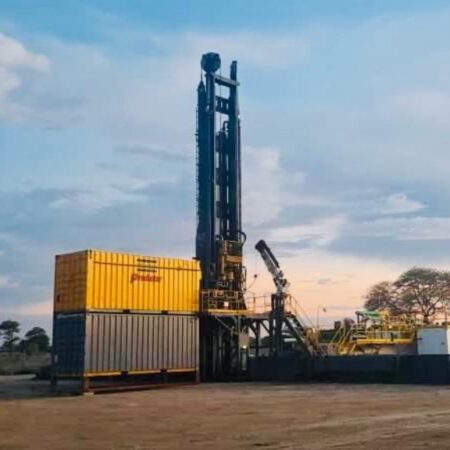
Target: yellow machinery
pixel 228 294
pixel 375 332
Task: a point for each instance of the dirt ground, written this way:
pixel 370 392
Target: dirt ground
pixel 227 416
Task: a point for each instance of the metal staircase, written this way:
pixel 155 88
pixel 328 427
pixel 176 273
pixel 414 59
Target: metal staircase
pixel 297 331
pixel 296 324
pixel 307 336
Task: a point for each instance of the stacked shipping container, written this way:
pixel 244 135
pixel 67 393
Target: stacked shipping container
pixel 117 313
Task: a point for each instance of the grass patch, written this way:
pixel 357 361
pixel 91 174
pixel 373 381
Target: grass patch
pixel 20 363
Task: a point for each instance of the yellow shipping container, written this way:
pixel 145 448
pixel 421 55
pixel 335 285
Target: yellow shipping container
pixel 93 280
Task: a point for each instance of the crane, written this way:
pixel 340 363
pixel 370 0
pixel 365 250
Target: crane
pixel 273 266
pixel 281 321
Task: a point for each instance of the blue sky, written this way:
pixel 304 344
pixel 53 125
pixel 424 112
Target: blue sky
pixel 345 111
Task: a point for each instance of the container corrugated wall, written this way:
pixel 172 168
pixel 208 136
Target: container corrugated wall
pixel 108 344
pixel 94 280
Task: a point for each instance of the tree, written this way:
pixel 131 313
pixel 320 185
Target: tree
pixel 381 296
pixel 418 290
pixel 8 332
pixel 423 291
pixel 36 340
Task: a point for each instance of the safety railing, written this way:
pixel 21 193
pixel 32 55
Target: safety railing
pixel 263 305
pixel 340 339
pixel 258 304
pixel 223 301
pixel 219 300
pixel 216 302
pixel 389 330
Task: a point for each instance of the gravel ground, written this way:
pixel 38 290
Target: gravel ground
pixel 227 416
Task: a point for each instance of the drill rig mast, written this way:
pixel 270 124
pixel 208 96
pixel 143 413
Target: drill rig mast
pixel 219 238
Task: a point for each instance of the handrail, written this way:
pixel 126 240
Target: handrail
pixel 388 331
pixel 263 304
pixel 299 311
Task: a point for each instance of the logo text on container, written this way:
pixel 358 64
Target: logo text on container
pixel 146 277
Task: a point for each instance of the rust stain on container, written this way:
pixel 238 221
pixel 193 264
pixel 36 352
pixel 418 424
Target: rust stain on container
pixel 93 280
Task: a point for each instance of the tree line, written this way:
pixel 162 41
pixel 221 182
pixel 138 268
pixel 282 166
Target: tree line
pixel 419 290
pixel 35 341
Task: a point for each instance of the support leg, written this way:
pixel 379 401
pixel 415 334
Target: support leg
pixel 53 382
pixel 85 385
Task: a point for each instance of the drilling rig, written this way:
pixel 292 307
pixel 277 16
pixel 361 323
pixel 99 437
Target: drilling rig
pixel 219 239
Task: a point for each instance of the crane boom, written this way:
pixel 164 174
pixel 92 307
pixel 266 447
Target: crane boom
pixel 281 283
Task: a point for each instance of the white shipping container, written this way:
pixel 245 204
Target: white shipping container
pixel 433 341
pixel 101 344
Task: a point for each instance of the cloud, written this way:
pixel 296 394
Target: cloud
pixel 103 196
pixel 263 180
pixel 430 107
pixel 334 161
pixel 112 188
pixel 269 187
pixel 399 203
pixel 138 96
pixel 7 282
pixel 318 233
pixel 404 229
pixel 333 281
pixel 14 58
pixel 13 54
pixel 264 49
pixel 324 281
pixel 133 104
pixel 261 50
pixel 158 153
pixel 36 309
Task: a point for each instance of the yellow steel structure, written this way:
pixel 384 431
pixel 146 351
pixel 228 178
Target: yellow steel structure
pixel 374 331
pixel 92 280
pixel 228 295
pixel 131 372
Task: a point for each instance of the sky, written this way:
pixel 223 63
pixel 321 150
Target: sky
pixel 345 110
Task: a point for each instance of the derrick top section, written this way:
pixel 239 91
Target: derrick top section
pixel 210 62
